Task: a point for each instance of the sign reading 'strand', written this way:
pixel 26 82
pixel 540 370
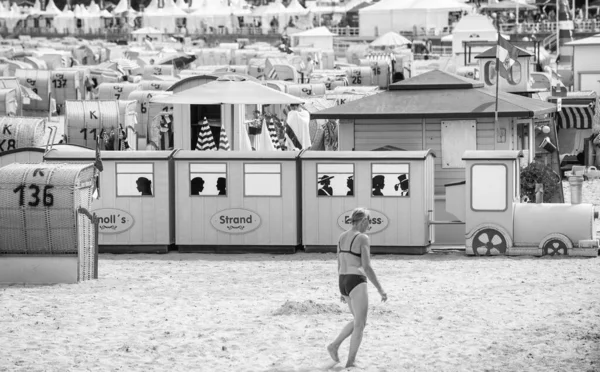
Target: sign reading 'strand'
pixel 378 221
pixel 113 221
pixel 235 221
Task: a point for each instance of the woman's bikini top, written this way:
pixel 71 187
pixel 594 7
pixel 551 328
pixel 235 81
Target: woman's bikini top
pixel 350 249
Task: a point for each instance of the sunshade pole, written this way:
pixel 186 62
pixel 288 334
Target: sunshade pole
pixel 496 126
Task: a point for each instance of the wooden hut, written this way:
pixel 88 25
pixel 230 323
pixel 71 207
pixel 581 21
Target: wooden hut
pixel 396 187
pixel 236 202
pixel 461 119
pixel 136 187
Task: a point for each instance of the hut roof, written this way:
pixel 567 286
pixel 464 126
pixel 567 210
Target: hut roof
pixel 435 95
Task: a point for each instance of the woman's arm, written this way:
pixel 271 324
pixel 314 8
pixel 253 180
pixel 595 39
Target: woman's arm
pixel 365 252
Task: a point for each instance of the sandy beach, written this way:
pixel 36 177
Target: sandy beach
pixel 258 312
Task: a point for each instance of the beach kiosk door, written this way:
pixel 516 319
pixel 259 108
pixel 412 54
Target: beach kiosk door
pixel 397 187
pixel 231 201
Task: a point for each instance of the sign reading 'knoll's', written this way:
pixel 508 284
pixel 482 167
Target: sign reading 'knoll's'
pixel 113 221
pixel 235 221
pixel 378 221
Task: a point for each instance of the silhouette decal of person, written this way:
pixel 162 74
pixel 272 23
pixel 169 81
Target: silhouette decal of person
pixel 378 185
pixel 196 185
pixel 144 186
pixel 403 184
pixel 222 185
pixel 325 182
pixel 350 185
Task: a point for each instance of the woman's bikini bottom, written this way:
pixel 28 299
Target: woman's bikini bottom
pixel 349 281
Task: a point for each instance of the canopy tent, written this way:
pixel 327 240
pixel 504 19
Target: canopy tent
pixel 90 17
pixel 319 37
pixel 65 21
pixel 268 13
pixel 390 39
pixel 50 11
pixel 473 27
pixel 106 14
pixel 229 92
pixel 211 14
pixel 405 15
pixel 12 16
pixel 123 7
pixel 164 18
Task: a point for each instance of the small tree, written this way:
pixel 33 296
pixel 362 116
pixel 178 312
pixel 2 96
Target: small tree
pixel 539 173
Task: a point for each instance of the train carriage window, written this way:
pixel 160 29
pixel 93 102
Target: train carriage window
pixel 262 179
pixel 390 179
pixel 135 179
pixel 488 187
pixel 208 179
pixel 335 180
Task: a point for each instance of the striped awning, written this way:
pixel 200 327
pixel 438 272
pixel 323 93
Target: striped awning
pixel 575 117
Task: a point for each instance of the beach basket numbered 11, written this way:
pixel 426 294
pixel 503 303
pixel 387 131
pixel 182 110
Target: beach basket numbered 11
pixel 40 212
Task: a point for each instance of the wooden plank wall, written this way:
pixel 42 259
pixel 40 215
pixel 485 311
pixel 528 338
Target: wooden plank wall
pixel 419 134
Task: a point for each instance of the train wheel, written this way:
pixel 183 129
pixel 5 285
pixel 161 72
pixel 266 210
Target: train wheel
pixel 487 240
pixel 554 247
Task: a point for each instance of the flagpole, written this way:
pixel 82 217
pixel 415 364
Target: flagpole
pixel 497 74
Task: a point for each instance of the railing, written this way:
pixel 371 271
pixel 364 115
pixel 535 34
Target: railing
pixel 549 42
pixel 345 31
pixel 115 33
pixel 548 27
pixel 544 27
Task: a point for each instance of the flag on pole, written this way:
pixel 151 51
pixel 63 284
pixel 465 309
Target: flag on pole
pixel 507 55
pixel 205 141
pixel 224 141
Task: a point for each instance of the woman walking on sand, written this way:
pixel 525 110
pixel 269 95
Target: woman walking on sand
pixel 354 267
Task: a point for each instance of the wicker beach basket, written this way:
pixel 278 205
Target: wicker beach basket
pixel 66 85
pixel 39 211
pixel 8 102
pixel 85 120
pixel 145 110
pixel 158 70
pixel 156 84
pixel 39 82
pixel 110 91
pixel 21 132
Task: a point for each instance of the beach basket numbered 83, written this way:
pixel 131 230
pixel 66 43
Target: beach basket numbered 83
pixel 39 211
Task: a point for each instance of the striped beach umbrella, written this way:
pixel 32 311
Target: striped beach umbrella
pixel 224 141
pixel 273 135
pixel 206 141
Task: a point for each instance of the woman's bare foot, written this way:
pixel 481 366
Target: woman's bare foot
pixel 333 351
pixel 350 364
